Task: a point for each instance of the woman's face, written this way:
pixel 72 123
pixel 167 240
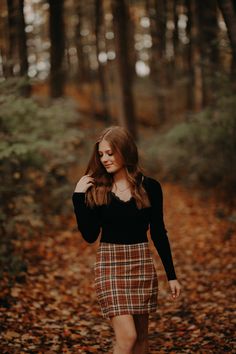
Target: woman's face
pixel 110 160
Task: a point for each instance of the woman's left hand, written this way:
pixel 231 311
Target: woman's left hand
pixel 175 288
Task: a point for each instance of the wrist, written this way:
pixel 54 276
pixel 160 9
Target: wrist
pixel 79 190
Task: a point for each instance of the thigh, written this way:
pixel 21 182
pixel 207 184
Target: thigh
pixel 141 324
pixel 124 325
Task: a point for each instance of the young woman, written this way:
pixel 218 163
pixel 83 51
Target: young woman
pixel 114 197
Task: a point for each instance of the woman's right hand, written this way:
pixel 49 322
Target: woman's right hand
pixel 84 184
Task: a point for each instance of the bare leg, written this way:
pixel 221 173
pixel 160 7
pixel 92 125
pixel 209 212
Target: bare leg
pixel 141 324
pixel 125 334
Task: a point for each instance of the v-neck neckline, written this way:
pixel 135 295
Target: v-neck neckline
pixel 121 200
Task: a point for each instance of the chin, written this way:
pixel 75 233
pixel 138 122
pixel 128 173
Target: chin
pixel 111 170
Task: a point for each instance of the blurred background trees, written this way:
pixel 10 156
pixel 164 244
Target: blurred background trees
pixel 122 49
pixel 166 67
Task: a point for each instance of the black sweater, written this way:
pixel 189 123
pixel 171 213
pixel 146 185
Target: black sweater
pixel 122 222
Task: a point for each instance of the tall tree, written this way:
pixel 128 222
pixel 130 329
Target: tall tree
pixel 133 56
pixel 17 57
pixel 101 67
pixel 161 16
pixel 157 12
pixel 208 20
pixel 176 27
pixel 208 45
pixel 126 114
pixel 195 91
pixel 12 36
pixel 227 8
pixel 3 38
pixel 57 36
pixel 83 62
pixel 22 39
pixel 22 46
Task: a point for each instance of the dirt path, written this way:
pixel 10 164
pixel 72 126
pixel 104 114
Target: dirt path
pixel 53 309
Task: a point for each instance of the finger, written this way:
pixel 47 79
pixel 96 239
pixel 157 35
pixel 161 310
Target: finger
pixel 178 291
pixel 90 178
pixel 87 180
pixel 175 292
pixel 86 177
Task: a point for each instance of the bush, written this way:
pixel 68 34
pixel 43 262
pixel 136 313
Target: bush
pixel 202 150
pixel 36 147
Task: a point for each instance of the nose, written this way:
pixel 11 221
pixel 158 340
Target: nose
pixel 104 158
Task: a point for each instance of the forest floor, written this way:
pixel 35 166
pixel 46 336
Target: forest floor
pixel 52 308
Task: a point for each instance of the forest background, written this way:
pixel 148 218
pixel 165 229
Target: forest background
pixel 165 70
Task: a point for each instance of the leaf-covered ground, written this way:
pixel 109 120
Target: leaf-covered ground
pixel 52 307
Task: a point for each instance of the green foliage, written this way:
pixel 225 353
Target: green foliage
pixel 30 130
pixel 202 150
pixel 37 145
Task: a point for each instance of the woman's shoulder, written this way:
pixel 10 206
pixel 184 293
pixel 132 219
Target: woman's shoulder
pixel 152 187
pixel 151 182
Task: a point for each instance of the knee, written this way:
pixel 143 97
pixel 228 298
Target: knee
pixel 127 340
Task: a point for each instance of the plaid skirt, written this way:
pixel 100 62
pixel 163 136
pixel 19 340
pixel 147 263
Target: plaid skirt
pixel 125 279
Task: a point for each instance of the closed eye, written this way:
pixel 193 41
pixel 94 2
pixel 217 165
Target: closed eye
pixel 109 154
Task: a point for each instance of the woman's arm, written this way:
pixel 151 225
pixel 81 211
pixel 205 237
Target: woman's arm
pixel 157 227
pixel 87 218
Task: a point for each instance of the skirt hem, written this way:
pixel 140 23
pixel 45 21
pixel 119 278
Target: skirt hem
pixel 109 316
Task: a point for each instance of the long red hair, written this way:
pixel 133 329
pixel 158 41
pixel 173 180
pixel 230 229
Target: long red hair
pixel 122 143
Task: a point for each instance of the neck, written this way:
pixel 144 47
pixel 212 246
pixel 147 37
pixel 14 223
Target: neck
pixel 120 176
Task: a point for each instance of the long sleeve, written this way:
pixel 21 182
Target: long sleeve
pixel 87 218
pixel 157 228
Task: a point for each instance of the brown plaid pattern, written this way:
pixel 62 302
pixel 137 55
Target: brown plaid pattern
pixel 125 279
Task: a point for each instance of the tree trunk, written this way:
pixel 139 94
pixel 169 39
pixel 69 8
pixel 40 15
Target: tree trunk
pixel 4 34
pixel 209 31
pixel 57 35
pixel 126 115
pixel 158 32
pixel 12 37
pixel 17 48
pixel 161 15
pixel 208 44
pixel 227 8
pixel 131 33
pixel 83 69
pixel 195 90
pixel 22 47
pixel 101 67
pixel 176 28
pixel 154 52
pixel 22 39
pixel 234 4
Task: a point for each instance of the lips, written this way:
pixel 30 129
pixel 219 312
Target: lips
pixel 106 166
